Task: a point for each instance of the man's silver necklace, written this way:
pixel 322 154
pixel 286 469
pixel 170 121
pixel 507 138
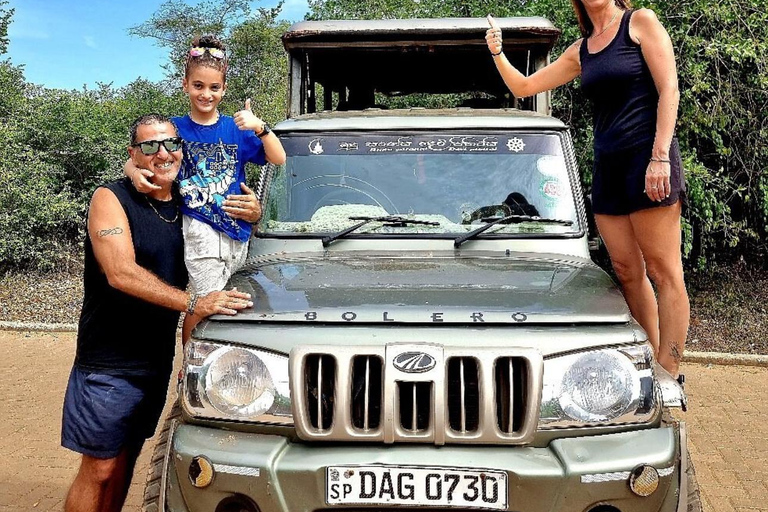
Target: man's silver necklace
pixel 175 217
pixel 606 27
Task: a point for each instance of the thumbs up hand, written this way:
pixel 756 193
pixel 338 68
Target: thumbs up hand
pixel 246 120
pixel 493 36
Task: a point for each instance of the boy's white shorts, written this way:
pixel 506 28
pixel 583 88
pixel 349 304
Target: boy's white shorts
pixel 211 256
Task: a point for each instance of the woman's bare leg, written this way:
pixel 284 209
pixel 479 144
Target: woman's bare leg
pixel 658 234
pixel 627 260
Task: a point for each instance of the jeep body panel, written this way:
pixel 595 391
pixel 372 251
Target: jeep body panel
pixel 448 290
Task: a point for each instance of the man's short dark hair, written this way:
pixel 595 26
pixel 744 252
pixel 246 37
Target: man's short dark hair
pixel 149 119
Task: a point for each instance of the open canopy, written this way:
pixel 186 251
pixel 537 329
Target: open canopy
pixel 352 60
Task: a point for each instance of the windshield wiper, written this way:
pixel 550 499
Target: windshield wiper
pixel 511 219
pixel 388 220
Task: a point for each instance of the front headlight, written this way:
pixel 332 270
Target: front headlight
pixel 236 383
pixel 599 387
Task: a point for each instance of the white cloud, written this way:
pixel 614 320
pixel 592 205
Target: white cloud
pixel 90 42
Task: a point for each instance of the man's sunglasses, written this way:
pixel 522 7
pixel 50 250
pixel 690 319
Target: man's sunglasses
pixel 150 147
pixel 198 51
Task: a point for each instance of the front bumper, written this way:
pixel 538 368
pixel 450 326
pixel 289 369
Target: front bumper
pixel 570 475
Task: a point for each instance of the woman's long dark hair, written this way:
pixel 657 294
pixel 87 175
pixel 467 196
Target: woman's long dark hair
pixel 585 24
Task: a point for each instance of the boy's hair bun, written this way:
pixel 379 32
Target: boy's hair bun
pixel 208 41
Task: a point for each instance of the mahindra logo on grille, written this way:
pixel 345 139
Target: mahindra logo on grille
pixel 414 362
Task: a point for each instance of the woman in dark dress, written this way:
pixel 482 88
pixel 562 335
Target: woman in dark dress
pixel 627 68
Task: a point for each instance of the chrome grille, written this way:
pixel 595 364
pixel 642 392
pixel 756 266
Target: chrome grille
pixel 470 395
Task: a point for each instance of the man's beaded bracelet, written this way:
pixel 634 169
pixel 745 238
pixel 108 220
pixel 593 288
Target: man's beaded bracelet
pixel 191 303
pixel 497 54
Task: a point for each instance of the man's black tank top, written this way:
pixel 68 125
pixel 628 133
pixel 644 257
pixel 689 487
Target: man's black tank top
pixel 618 82
pixel 119 333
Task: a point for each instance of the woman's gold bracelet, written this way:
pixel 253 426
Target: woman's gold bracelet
pixel 662 160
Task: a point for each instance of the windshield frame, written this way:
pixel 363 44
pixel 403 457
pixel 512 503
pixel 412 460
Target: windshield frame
pixel 568 156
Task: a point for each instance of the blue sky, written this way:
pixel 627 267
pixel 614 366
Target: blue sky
pixel 67 44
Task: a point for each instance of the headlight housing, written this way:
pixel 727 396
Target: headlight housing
pixel 598 387
pixel 235 383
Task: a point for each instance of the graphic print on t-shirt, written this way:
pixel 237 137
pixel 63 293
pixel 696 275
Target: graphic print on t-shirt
pixel 213 171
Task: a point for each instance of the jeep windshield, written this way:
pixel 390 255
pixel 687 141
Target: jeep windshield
pixel 454 182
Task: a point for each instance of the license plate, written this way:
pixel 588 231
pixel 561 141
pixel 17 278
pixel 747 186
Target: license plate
pixel 416 486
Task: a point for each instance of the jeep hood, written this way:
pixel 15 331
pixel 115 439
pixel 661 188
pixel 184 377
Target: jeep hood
pixel 430 290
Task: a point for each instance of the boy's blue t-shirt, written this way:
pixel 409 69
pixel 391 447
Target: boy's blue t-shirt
pixel 213 167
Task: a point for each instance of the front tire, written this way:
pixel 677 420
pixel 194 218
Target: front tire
pixel 153 487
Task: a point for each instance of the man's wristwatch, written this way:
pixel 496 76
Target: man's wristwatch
pixel 265 130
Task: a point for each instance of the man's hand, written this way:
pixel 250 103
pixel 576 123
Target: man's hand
pixel 140 177
pixel 244 207
pixel 226 302
pixel 247 120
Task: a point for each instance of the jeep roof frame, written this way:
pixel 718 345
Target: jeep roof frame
pixel 346 62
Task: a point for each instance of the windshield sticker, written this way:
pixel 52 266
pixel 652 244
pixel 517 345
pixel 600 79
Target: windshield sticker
pixel 516 144
pixel 552 189
pixel 422 144
pixel 348 146
pixel 315 147
pixel 551 166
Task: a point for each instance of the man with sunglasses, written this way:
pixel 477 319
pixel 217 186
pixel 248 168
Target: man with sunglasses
pixel 135 281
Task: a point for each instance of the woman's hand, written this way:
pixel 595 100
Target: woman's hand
pixel 657 185
pixel 493 36
pixel 243 206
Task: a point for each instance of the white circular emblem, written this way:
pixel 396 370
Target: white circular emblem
pixel 315 147
pixel 515 144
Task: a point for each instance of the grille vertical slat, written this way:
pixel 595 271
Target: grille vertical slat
pixel 511 414
pixel 463 397
pixel 510 382
pixel 463 394
pixel 366 393
pixel 320 377
pixel 320 394
pixel 415 405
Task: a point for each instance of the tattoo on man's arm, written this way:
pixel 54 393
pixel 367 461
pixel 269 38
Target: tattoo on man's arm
pixel 674 351
pixel 111 231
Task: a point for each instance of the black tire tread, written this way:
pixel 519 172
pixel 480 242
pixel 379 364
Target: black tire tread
pixel 694 493
pixel 157 462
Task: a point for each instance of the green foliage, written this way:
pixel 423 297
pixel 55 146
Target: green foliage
pixel 58 146
pixel 5 20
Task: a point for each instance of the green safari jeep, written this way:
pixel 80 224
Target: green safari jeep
pixel 428 328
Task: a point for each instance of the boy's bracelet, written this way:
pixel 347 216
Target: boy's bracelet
pixel 663 160
pixel 497 54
